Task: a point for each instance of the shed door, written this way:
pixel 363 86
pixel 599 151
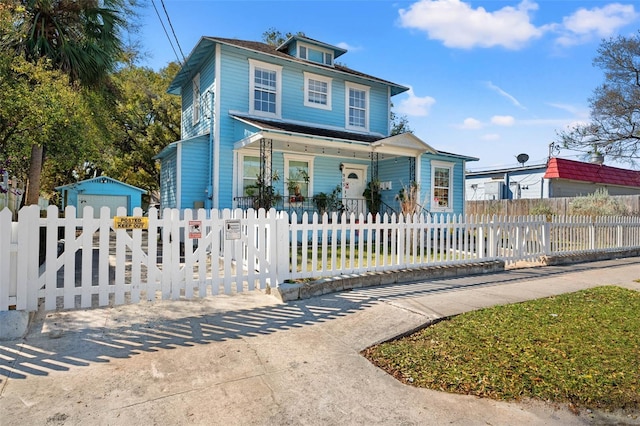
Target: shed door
pixel 98 201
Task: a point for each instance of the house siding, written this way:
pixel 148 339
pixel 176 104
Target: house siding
pixel 169 181
pixel 194 174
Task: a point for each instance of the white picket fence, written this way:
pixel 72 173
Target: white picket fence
pixel 69 262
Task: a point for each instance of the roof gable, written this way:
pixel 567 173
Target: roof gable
pixel 560 168
pixel 205 46
pixel 99 179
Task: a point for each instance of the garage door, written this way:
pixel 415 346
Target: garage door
pixel 98 201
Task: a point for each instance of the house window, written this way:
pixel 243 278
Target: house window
pixel 441 186
pixel 250 173
pixel 196 99
pixel 317 91
pixel 265 89
pixel 328 59
pixel 357 102
pixel 303 52
pixel 298 177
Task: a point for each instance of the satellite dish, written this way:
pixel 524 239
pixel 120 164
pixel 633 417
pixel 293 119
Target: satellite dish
pixel 522 158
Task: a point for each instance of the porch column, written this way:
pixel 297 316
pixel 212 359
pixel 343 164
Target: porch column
pixel 266 166
pixel 412 169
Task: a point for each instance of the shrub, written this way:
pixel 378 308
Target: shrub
pixel 600 203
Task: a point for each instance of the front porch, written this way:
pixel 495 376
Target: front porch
pixel 309 170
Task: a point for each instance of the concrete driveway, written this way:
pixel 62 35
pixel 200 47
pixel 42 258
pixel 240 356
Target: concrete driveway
pixel 248 359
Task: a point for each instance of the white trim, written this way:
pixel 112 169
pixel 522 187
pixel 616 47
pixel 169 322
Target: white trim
pixel 296 157
pixel 442 165
pixel 215 202
pixel 179 176
pixel 348 86
pixel 309 76
pixel 253 64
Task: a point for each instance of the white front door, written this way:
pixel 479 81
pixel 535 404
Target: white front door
pixel 354 183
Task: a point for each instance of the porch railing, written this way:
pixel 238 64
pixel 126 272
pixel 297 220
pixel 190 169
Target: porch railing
pixel 307 205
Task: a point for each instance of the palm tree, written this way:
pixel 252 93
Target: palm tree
pixel 82 38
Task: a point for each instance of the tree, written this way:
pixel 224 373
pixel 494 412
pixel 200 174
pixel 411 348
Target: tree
pixel 400 124
pixel 148 119
pixel 82 39
pixel 275 38
pixel 38 107
pixel 614 130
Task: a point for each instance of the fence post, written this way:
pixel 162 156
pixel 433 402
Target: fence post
pixel 28 258
pixel 7 258
pixel 281 249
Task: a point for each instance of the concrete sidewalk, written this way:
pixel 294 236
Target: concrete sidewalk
pixel 250 359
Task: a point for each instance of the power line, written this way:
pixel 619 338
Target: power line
pixel 165 31
pixel 173 31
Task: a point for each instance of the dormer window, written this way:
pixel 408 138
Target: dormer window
pixel 315 54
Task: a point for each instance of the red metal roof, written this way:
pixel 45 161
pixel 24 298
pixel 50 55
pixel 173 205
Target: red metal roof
pixel 560 168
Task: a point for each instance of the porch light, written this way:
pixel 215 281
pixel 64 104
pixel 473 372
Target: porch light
pixel 341 166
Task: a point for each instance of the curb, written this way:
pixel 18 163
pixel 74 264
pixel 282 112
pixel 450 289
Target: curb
pixel 287 292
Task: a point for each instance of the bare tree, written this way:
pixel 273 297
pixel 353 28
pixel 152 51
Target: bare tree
pixel 614 130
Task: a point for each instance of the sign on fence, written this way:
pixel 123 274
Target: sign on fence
pixel 130 222
pixel 195 229
pixel 232 229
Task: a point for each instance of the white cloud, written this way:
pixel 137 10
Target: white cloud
pixel 459 25
pixel 501 92
pixel 415 106
pixel 471 124
pixel 599 22
pixel 581 113
pixel 347 46
pixel 490 137
pixel 503 120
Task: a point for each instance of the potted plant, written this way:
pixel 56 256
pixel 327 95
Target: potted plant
pixel 326 203
pixel 373 196
pixel 408 198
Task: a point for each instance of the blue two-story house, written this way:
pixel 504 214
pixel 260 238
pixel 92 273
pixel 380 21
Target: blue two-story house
pixel 289 127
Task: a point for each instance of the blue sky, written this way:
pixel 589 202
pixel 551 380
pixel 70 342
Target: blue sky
pixel 489 79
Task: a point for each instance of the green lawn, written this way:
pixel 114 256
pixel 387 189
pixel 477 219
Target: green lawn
pixel 581 348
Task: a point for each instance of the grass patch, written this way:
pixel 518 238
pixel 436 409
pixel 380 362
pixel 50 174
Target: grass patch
pixel 581 348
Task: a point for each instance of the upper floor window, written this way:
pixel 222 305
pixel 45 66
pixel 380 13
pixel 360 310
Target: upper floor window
pixel 317 91
pixel 441 186
pixel 357 101
pixel 265 88
pixel 195 114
